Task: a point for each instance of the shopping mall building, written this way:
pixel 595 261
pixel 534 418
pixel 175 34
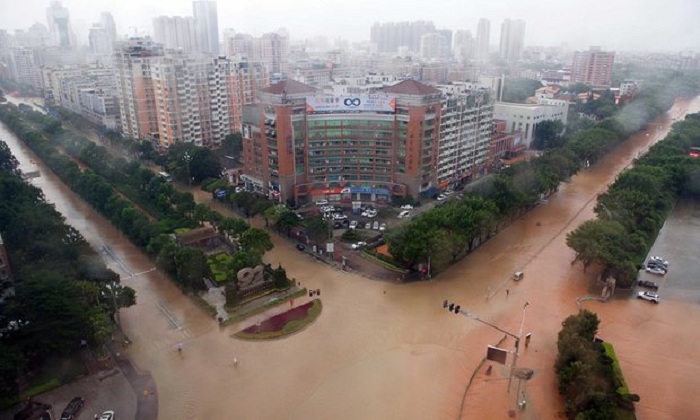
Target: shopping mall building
pixel 301 144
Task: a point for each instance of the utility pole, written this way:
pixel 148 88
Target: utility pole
pixel 457 309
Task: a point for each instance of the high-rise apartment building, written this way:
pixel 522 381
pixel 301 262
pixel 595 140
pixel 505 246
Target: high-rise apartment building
pixel 270 50
pixel 434 46
pixel 390 36
pixel 465 132
pixel 170 96
pixel 206 26
pixel 512 39
pixel 59 25
pixel 107 22
pixel 483 37
pixel 298 143
pixel 25 68
pixel 593 67
pixel 175 32
pixel 246 80
pixel 133 62
pixel 100 39
pixel 464 46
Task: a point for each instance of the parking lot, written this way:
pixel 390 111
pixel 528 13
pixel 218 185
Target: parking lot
pixel 678 243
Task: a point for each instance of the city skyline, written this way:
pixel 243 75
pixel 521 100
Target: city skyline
pixel 623 25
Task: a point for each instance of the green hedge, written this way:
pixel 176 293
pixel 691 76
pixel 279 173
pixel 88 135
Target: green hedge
pixel 620 383
pixel 262 308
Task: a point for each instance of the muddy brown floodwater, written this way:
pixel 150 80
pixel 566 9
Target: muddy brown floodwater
pixel 399 355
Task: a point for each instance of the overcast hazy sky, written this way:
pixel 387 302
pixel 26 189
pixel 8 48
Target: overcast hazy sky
pixel 613 24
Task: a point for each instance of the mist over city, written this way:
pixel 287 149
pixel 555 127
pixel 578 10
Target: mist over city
pixel 353 210
pixel 649 25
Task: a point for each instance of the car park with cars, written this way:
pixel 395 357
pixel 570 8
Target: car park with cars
pixel 650 296
pixel 648 284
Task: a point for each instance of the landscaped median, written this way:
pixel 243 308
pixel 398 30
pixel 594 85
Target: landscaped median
pixel 242 314
pixel 284 324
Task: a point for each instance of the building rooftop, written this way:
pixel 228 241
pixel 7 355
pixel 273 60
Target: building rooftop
pixel 289 87
pixel 411 87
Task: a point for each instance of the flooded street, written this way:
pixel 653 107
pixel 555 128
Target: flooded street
pixel 399 355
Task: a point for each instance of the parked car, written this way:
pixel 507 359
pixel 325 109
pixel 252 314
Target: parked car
pixel 441 197
pixel 353 224
pixel 648 284
pixel 518 275
pixel 407 207
pixel 375 225
pixel 358 245
pixel 368 225
pixel 659 259
pixel 650 296
pixel 107 415
pixel 658 265
pixel 382 227
pixel 403 214
pixel 72 408
pixel 370 213
pixel 656 270
pixel 301 247
pixel 337 216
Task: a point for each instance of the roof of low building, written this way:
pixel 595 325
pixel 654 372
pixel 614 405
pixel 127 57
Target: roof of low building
pixel 411 87
pixel 289 87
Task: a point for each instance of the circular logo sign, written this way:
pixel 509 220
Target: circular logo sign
pixel 352 101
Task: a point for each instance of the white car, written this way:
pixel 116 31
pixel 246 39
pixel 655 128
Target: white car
pixel 659 259
pixel 382 227
pixel 656 270
pixel 441 197
pixel 375 225
pixel 368 225
pixel 358 245
pixel 339 216
pixel 407 207
pixel 107 415
pixel 371 213
pixel 404 214
pixel 353 224
pixel 650 296
pixel 322 203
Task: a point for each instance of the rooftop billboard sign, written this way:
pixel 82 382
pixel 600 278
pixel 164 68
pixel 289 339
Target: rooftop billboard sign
pixel 350 103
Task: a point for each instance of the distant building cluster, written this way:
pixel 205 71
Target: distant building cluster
pixel 411 111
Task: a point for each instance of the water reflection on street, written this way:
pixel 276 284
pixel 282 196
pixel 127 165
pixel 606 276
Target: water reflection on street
pixel 390 351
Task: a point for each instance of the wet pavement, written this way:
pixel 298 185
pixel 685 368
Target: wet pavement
pixel 389 351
